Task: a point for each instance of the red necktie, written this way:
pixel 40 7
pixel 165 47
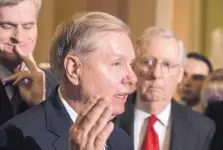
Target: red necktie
pixel 151 141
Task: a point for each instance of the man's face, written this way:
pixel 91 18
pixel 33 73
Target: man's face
pixel 107 70
pixel 17 27
pixel 158 84
pixel 194 73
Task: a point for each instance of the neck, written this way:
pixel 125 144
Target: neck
pixel 149 106
pixel 72 97
pixel 177 98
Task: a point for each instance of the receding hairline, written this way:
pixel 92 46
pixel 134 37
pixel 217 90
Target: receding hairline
pixel 11 3
pixel 73 35
pixel 159 33
pixel 147 43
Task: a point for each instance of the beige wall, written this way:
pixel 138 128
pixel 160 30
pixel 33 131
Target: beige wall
pixel 137 14
pixel 192 20
pixel 45 30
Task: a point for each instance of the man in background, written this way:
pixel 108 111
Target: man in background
pixel 155 121
pixel 22 83
pixel 196 68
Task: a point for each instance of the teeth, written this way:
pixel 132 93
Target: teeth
pixel 121 95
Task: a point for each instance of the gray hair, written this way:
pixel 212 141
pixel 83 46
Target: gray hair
pixel 3 3
pixel 78 36
pixel 154 32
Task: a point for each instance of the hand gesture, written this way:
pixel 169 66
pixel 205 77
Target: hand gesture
pixel 31 83
pixel 92 126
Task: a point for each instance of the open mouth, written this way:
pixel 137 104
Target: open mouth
pixel 122 96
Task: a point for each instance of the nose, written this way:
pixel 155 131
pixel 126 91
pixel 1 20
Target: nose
pixel 130 78
pixel 157 71
pixel 16 35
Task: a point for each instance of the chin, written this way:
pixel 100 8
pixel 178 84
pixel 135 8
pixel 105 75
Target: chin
pixel 112 117
pixel 118 110
pixel 13 60
pixel 152 98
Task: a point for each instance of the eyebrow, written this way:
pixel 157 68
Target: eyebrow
pixel 7 22
pixel 164 60
pixel 15 24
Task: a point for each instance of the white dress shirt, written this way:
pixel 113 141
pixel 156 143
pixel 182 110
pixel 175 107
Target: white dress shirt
pixel 141 118
pixel 73 115
pixel 71 112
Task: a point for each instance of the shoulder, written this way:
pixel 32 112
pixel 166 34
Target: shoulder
pixel 120 139
pixel 22 128
pixel 28 120
pixel 197 120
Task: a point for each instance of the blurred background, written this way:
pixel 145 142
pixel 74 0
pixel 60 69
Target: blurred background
pixel 198 23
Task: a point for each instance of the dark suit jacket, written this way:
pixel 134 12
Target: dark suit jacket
pixel 46 127
pixel 189 131
pixel 215 112
pixel 6 110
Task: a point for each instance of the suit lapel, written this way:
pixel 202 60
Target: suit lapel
pixel 58 121
pixel 126 120
pixel 181 129
pixel 109 144
pixel 5 106
pixel 129 122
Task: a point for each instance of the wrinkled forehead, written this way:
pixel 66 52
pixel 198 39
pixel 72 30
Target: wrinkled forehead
pixel 161 49
pixel 193 66
pixel 115 44
pixel 23 9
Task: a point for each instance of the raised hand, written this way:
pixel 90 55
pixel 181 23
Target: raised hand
pixel 31 83
pixel 92 126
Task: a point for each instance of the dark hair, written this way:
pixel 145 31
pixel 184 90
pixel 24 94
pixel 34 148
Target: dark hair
pixel 202 58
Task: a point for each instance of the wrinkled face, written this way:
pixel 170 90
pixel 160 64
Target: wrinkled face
pixel 17 27
pixel 107 71
pixel 194 73
pixel 158 83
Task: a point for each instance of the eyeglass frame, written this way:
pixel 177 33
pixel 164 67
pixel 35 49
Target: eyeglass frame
pixel 161 63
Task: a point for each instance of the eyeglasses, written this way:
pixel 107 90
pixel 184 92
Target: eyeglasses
pixel 166 66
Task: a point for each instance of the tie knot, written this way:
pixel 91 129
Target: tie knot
pixel 152 120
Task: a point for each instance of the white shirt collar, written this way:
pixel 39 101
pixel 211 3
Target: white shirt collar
pixel 71 112
pixel 163 117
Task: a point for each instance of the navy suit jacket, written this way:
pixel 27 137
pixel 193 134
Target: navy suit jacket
pixel 46 127
pixel 6 110
pixel 190 130
pixel 215 112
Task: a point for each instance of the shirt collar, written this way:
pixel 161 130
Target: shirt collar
pixel 163 117
pixel 4 73
pixel 71 112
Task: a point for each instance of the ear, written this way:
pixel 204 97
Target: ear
pixel 72 67
pixel 180 75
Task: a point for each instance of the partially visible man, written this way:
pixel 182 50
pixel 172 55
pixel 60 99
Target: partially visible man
pixel 155 121
pixel 92 56
pixel 196 68
pixel 22 83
